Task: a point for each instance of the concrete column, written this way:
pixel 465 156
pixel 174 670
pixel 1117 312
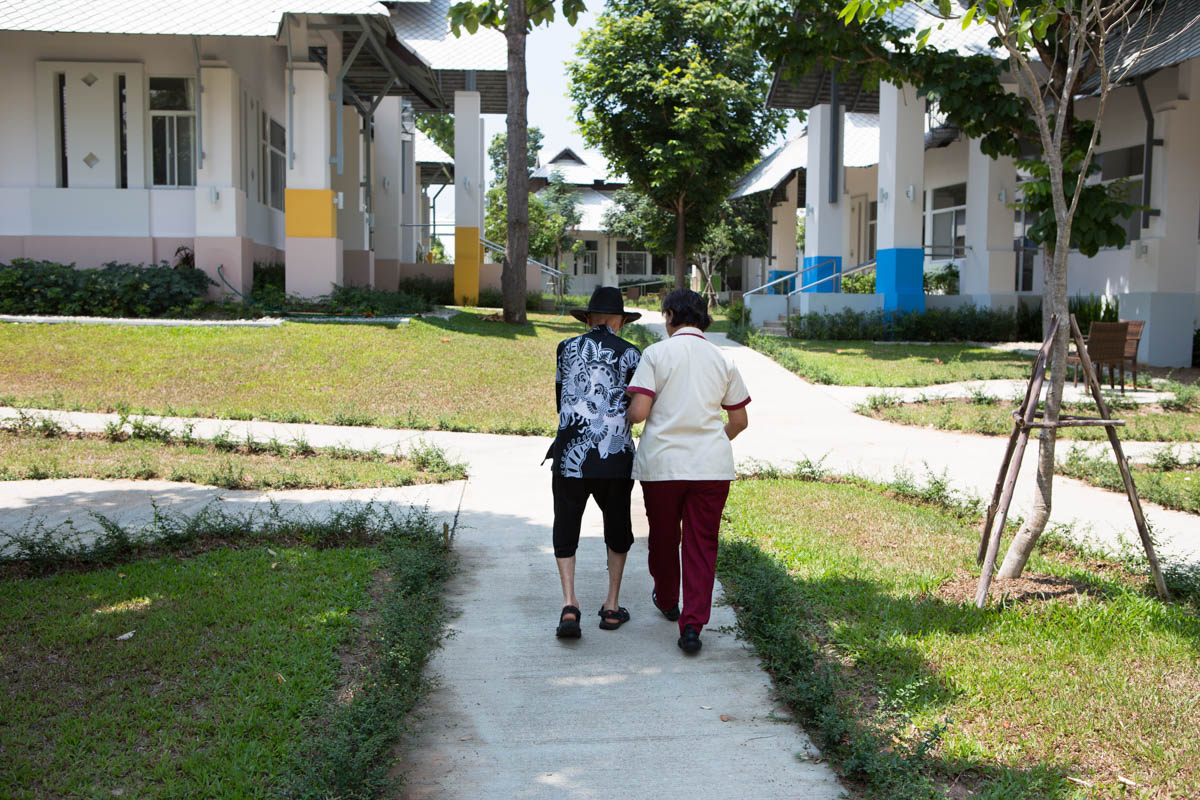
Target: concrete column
pixel 351 216
pixel 900 260
pixel 313 257
pixel 783 231
pixel 1165 280
pixel 988 272
pixel 387 163
pixel 823 220
pixel 221 246
pixel 410 187
pixel 468 195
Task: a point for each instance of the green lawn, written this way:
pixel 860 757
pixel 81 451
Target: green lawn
pixel 861 363
pixel 993 417
pixel 229 661
pixel 868 630
pixel 261 670
pixel 462 374
pixel 231 465
pixel 1168 480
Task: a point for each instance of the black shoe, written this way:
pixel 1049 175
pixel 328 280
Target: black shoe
pixel 689 642
pixel 671 613
pixel 568 628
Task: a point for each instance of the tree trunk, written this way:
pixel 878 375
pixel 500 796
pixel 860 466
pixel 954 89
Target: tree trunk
pixel 1054 302
pixel 680 246
pixel 512 278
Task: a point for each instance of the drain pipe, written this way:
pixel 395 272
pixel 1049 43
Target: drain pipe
pixel 1147 154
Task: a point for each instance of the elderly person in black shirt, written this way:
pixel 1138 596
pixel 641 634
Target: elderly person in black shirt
pixel 593 451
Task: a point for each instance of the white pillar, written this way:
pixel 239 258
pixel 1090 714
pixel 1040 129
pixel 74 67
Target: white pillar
pixel 468 195
pixel 900 259
pixel 824 219
pixel 313 255
pixel 351 217
pixel 221 247
pixel 386 196
pixel 1165 279
pixel 988 269
pixel 783 228
pixel 410 184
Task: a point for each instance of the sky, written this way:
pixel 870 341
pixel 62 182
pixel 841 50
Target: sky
pixel 547 51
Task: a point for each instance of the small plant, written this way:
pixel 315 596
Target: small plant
pixel 149 430
pixel 1185 396
pixel 979 396
pixel 428 457
pixel 879 401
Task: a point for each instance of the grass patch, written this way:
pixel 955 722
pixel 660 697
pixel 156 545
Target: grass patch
pixel 1167 480
pixel 862 363
pixel 913 693
pixel 464 374
pixel 32 450
pixel 226 685
pixel 992 417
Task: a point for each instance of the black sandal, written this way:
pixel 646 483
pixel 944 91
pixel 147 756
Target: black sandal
pixel 613 618
pixel 569 628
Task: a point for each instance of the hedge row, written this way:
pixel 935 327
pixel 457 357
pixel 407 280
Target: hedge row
pixel 114 290
pixel 1023 324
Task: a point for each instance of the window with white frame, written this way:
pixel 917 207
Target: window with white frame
pixel 659 265
pixel 172 131
pixel 947 222
pixel 629 260
pixel 274 145
pixel 872 218
pixel 1025 249
pixel 591 249
pixel 1125 166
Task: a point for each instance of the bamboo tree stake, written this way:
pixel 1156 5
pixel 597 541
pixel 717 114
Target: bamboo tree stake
pixel 994 525
pixel 1122 463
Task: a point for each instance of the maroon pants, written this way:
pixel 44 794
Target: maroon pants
pixel 685 517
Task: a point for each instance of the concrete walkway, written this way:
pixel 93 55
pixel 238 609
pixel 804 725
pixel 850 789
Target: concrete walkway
pixel 519 714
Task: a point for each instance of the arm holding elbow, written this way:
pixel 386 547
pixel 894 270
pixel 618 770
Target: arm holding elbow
pixel 639 408
pixel 738 420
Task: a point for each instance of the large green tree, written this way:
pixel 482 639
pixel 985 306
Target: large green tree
pixel 736 227
pixel 440 129
pixel 674 102
pixel 1057 51
pixel 516 18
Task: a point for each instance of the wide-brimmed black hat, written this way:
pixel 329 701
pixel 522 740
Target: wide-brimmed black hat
pixel 605 300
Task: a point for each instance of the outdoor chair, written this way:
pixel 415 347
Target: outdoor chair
pixel 1132 340
pixel 1105 345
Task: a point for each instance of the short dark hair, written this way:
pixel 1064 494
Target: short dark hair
pixel 687 308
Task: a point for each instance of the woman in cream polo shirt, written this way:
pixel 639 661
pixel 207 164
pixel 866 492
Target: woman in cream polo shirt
pixel 684 459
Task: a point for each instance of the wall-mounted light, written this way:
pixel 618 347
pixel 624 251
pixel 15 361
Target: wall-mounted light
pixel 883 195
pixel 213 195
pixel 338 201
pixel 910 192
pixel 1002 195
pixel 386 183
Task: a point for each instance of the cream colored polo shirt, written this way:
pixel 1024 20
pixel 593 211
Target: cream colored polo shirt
pixel 691 380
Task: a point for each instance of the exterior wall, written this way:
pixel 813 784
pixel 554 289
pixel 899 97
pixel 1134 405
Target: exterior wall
pixel 141 223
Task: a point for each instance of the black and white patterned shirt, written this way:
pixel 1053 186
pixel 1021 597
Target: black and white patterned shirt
pixel 594 440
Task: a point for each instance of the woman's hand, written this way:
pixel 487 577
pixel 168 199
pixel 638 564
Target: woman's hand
pixel 738 420
pixel 639 407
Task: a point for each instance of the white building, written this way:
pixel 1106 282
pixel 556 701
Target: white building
pixel 914 195
pixel 602 260
pixel 245 130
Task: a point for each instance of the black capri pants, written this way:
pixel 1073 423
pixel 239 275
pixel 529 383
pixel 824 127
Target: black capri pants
pixel 570 499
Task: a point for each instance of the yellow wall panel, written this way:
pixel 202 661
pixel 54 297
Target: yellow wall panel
pixel 311 213
pixel 467 250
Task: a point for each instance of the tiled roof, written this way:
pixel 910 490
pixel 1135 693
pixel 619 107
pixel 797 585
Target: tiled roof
pixel 193 18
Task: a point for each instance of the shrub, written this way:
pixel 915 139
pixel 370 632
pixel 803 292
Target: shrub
pixel 942 281
pixel 1093 309
pixel 439 292
pixel 735 310
pixel 934 325
pixel 490 298
pixel 860 283
pixel 114 290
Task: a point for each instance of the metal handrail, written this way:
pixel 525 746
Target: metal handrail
pixel 837 276
pixel 557 278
